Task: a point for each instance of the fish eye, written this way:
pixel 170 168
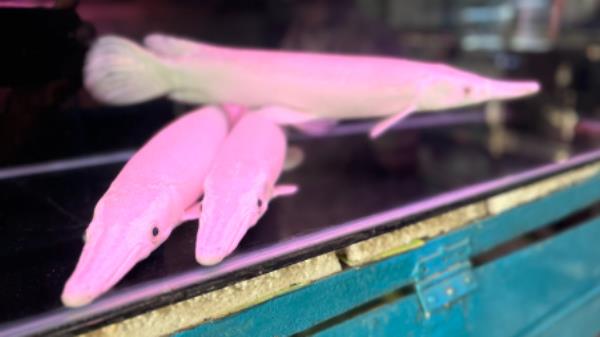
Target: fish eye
pixel 467 90
pixel 155 231
pixel 259 203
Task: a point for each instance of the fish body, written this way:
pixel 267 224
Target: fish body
pixel 299 86
pixel 151 195
pixel 239 186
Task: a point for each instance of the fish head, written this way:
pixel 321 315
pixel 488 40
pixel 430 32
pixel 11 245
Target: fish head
pixel 118 237
pixel 451 88
pixel 229 208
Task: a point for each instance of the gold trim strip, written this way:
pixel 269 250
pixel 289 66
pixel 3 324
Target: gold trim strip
pixel 404 239
pixel 507 200
pixel 378 247
pixel 222 302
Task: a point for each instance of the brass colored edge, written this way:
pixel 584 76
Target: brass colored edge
pixel 412 236
pixel 408 237
pixel 402 249
pixel 510 199
pixel 222 302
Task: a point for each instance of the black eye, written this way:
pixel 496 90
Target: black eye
pixel 259 203
pixel 155 231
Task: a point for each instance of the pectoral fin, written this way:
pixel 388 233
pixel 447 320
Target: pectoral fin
pixel 294 156
pixel 192 212
pixel 234 112
pixel 386 123
pixel 284 190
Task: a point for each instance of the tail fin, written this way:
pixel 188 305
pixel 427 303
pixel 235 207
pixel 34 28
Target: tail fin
pixel 120 72
pixel 170 46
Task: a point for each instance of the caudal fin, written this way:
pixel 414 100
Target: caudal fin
pixel 170 46
pixel 120 72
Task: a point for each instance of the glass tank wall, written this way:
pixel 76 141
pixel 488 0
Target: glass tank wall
pixel 60 149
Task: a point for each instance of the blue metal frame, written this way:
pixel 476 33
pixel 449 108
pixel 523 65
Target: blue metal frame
pixel 550 288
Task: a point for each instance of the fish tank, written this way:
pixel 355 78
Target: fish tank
pixel 61 146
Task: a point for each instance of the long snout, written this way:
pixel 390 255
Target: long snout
pixel 512 89
pixel 100 266
pixel 217 238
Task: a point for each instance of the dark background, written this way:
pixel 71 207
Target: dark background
pixel 46 115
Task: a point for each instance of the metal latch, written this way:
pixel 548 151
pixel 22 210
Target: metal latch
pixel 444 276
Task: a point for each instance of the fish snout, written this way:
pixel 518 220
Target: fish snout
pixel 512 89
pixel 217 240
pixel 209 260
pixel 96 272
pixel 76 295
pixel 210 253
pixel 84 285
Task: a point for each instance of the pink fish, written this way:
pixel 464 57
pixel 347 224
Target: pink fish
pixel 291 88
pixel 153 193
pixel 239 186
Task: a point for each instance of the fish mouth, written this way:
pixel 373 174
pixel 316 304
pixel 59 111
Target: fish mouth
pixel 216 243
pixel 209 260
pixel 94 275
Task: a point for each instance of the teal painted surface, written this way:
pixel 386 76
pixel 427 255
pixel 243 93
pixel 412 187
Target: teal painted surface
pixel 534 286
pixel 301 309
pixel 444 277
pixel 548 289
pixel 402 318
pixel 530 269
pixel 579 319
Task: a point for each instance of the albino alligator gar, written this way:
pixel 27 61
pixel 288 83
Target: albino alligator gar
pixel 239 186
pixel 292 87
pixel 153 193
